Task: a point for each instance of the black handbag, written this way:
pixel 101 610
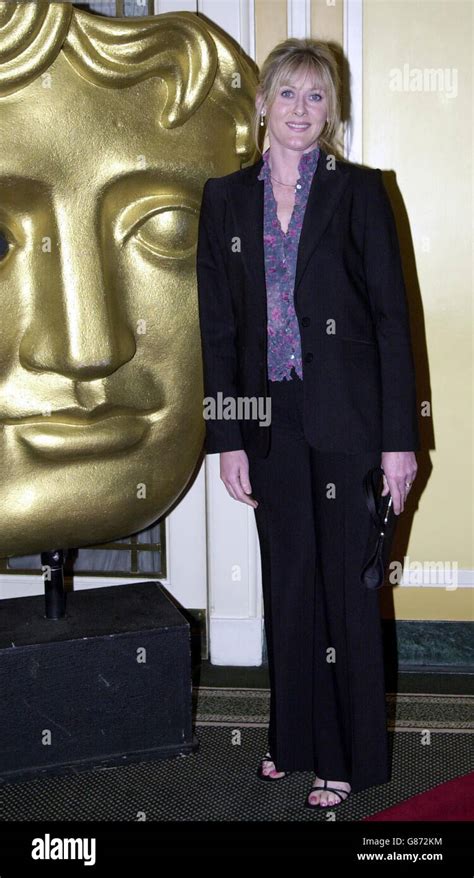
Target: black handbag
pixel 379 544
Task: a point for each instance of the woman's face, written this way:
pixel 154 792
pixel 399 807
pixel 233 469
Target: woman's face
pixel 299 112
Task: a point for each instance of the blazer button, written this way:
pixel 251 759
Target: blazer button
pixel 305 321
pixel 308 358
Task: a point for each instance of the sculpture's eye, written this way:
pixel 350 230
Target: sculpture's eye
pixel 170 232
pixel 4 245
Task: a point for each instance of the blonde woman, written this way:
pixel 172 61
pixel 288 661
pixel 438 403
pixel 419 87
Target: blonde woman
pixel 310 312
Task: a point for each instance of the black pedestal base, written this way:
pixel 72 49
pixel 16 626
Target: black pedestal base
pixel 108 683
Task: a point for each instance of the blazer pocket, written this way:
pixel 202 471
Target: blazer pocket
pixel 359 341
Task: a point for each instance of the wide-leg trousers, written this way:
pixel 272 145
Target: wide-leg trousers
pixel 322 626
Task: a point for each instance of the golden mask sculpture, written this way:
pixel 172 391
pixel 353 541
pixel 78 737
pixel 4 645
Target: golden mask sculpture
pixel 109 129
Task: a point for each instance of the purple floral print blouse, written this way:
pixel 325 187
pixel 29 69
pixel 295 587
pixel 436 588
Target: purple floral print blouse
pixel 281 250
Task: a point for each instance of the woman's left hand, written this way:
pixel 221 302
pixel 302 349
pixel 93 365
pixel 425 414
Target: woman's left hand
pixel 399 468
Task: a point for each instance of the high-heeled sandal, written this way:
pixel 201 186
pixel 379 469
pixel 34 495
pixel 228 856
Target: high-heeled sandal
pixel 338 792
pixel 262 776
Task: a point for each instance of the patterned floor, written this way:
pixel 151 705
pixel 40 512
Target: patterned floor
pixel 218 783
pixel 405 711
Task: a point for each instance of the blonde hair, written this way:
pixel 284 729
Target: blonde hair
pixel 309 56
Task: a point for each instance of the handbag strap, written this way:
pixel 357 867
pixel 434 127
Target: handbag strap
pixel 369 490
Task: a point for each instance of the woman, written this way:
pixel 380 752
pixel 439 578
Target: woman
pixel 310 310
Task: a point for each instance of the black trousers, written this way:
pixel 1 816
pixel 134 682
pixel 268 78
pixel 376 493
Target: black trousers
pixel 322 626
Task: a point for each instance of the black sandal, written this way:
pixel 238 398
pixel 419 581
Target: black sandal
pixel 338 792
pixel 262 776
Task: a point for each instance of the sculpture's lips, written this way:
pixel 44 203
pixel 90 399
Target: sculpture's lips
pixel 72 435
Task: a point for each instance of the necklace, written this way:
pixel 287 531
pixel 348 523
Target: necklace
pixel 282 184
pixel 295 186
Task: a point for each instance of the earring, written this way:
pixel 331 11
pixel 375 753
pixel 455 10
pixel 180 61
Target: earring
pixel 262 117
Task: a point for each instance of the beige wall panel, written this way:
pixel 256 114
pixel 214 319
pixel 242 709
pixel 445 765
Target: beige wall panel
pixel 327 20
pixel 425 137
pixel 270 26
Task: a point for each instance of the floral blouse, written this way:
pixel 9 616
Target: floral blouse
pixel 281 250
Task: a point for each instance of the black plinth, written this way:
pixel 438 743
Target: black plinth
pixel 108 683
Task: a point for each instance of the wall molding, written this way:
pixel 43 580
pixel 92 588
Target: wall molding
pixel 236 642
pixel 162 6
pixel 298 18
pixel 247 27
pixel 22 585
pixel 353 51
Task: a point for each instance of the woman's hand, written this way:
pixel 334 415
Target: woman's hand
pixel 399 468
pixel 235 475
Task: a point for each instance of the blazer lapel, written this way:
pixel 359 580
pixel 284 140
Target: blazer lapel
pixel 247 206
pixel 326 189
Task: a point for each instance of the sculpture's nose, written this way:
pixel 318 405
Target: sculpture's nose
pixel 77 323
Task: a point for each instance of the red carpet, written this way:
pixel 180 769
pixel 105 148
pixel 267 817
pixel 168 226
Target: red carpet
pixel 453 800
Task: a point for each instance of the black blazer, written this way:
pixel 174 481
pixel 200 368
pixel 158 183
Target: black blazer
pixel 350 301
